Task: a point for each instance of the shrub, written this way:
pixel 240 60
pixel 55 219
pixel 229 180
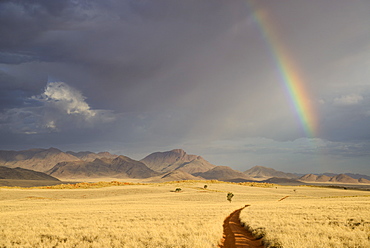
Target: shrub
pixel 229 196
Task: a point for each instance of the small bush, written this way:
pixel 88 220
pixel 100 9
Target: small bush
pixel 230 196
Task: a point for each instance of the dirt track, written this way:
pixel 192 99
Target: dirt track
pixel 236 236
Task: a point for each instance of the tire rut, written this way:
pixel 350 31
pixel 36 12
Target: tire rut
pixel 235 235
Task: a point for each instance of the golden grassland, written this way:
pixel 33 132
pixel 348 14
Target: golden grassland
pixel 312 217
pixel 118 214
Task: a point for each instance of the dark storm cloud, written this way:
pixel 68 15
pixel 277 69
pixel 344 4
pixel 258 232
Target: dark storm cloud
pixel 147 74
pixel 22 22
pixel 131 44
pixel 145 57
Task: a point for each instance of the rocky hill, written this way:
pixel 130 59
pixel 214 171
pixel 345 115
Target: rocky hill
pixel 264 172
pixel 222 173
pixel 309 178
pixel 341 178
pixel 23 174
pixel 323 178
pixel 120 167
pixel 176 159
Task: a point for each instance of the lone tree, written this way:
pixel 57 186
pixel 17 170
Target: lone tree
pixel 178 190
pixel 229 196
pixel 205 186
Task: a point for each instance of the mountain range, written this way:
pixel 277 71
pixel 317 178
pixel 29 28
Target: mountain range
pixel 34 159
pixel 119 167
pixel 176 159
pixel 45 159
pixel 171 165
pixel 341 178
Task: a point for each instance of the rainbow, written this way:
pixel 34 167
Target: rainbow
pixel 289 73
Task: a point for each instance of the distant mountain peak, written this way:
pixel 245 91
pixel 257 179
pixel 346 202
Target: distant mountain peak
pixel 309 177
pixel 53 149
pixel 121 157
pixel 179 151
pixel 176 159
pixel 261 167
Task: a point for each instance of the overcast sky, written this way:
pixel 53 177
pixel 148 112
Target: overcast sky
pixel 134 77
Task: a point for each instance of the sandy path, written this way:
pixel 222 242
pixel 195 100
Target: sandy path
pixel 235 235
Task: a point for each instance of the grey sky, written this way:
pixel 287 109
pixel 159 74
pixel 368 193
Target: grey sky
pixel 135 77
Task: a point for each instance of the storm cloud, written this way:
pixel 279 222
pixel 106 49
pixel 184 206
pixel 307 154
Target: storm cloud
pixel 134 77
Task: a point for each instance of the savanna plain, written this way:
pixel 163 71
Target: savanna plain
pixel 155 215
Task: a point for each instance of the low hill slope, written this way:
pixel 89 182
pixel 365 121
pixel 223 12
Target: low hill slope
pixel 23 174
pixel 176 159
pixel 364 180
pixel 284 181
pixel 264 172
pixel 222 173
pixel 197 165
pixel 120 167
pixel 177 175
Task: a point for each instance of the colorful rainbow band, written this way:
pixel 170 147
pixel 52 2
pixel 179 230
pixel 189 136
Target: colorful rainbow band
pixel 289 74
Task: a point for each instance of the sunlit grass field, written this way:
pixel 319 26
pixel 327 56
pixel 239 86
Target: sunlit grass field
pixel 311 218
pixel 154 215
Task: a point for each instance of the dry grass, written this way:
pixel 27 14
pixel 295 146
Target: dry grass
pixel 119 216
pixel 313 217
pixel 153 215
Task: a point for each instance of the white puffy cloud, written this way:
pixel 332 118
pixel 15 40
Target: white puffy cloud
pixel 60 107
pixel 66 99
